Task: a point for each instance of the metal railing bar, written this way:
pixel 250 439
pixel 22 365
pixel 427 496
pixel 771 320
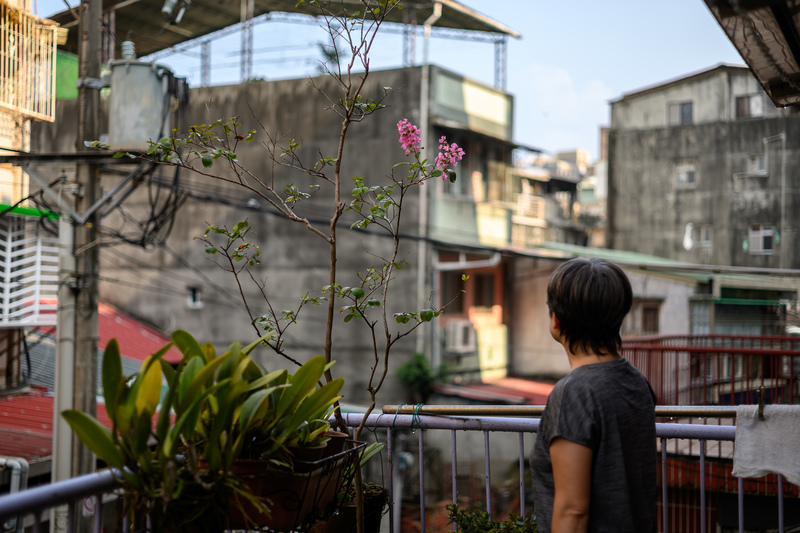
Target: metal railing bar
pixel 421 481
pixel 71 517
pixel 522 474
pixel 528 425
pixel 44 496
pixel 487 473
pixel 454 470
pixel 780 503
pixel 661 411
pixel 740 498
pixel 702 486
pixel 390 465
pixel 98 513
pixel 664 484
pixel 37 523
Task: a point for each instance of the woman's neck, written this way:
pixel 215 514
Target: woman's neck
pixel 580 358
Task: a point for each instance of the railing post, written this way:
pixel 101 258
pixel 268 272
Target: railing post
pixel 740 499
pixel 522 475
pixel 664 484
pixel 390 467
pixel 488 473
pixel 702 486
pixel 421 482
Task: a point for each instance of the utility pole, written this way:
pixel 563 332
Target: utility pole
pixel 86 251
pixel 76 357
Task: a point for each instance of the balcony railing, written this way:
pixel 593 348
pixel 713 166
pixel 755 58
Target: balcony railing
pixel 718 369
pixel 31 504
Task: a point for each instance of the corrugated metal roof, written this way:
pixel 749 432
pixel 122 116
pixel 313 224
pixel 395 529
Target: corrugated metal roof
pixel 767 36
pixel 26 425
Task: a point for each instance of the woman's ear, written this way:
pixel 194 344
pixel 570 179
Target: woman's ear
pixel 555 327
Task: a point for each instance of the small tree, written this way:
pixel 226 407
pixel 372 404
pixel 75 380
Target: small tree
pixel 211 150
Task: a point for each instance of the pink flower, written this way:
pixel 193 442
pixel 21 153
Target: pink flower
pixel 449 155
pixel 409 136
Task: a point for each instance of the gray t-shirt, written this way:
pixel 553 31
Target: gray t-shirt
pixel 608 407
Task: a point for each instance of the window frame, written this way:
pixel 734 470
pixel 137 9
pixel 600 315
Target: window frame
pixel 757 233
pixel 684 168
pixel 705 236
pixel 680 113
pixel 753 108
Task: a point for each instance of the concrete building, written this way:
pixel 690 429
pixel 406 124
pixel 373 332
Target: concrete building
pixel 702 169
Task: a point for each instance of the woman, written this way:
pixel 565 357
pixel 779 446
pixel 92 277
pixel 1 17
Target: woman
pixel 594 461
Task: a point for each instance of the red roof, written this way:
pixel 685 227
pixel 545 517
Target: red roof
pixel 505 390
pixel 26 420
pixel 136 340
pixel 26 425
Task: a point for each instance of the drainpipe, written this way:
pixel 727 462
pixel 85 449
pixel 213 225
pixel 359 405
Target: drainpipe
pixel 65 367
pixel 422 246
pixel 779 137
pixel 19 482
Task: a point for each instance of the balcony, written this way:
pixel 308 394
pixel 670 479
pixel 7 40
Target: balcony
pixel 695 502
pixel 718 369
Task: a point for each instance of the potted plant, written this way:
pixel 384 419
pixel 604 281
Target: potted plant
pixel 222 430
pixel 210 150
pixel 480 522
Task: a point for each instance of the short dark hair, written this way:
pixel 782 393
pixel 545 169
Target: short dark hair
pixel 590 297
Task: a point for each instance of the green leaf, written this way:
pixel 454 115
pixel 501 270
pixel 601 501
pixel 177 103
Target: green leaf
pixel 112 376
pixel 94 436
pixel 187 344
pixel 207 161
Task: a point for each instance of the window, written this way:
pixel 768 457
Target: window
pixel 751 105
pixel 756 164
pixel 680 113
pixel 706 234
pixel 643 319
pixel 686 173
pixel 484 290
pixel 194 297
pixel 761 239
pixel 452 284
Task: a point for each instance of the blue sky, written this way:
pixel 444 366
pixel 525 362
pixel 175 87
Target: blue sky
pixel 572 59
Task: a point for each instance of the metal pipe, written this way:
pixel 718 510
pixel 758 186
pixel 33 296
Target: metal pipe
pixel 528 425
pixel 421 481
pixel 44 496
pixel 661 411
pixel 664 485
pixel 424 192
pixel 522 475
pixel 487 473
pixel 702 486
pixel 392 494
pixel 740 500
pixel 19 481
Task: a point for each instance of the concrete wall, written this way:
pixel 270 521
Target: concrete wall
pixel 648 210
pixel 152 284
pixel 674 295
pixel 535 352
pixel 713 96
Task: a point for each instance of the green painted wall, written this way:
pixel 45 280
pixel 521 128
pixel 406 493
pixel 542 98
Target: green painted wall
pixel 66 75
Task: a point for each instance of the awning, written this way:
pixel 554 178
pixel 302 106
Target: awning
pixel 767 35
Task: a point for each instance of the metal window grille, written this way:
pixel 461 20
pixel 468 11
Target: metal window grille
pixel 28 273
pixel 27 63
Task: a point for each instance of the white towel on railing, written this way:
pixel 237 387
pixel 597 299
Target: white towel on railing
pixel 768 446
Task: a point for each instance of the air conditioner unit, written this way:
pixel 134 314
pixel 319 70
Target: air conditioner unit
pixel 460 337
